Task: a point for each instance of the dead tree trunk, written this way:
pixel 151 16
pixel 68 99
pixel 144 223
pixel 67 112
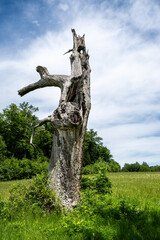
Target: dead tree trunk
pixel 69 122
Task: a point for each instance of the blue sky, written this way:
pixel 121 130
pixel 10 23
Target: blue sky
pixel 123 38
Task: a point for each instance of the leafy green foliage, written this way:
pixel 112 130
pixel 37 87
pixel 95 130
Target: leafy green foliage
pixel 136 167
pixel 43 140
pixel 95 152
pixel 3 148
pixel 91 151
pixel 37 193
pixel 94 149
pixel 19 169
pixel 95 168
pixel 155 168
pixel 16 126
pixel 99 183
pixel 102 183
pixel 111 166
pixel 144 167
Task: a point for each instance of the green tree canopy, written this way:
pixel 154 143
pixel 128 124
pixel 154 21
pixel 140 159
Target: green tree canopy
pixel 16 124
pixel 3 148
pixel 136 167
pixel 94 150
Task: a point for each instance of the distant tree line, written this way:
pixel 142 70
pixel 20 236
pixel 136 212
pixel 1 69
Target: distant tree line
pixel 136 167
pixel 16 153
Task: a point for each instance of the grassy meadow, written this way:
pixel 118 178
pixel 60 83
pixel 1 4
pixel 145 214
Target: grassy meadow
pixel 131 211
pixel 142 188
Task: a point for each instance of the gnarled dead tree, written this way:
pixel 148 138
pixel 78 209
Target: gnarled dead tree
pixel 69 122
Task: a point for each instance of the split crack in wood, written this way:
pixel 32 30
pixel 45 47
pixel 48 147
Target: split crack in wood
pixel 69 122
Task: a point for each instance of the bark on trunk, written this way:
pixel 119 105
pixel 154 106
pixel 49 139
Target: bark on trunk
pixel 69 122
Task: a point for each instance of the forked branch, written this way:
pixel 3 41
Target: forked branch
pixel 46 80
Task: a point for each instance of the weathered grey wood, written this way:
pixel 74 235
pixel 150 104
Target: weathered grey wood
pixel 69 122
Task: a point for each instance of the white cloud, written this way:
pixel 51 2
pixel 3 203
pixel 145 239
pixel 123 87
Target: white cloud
pixel 145 14
pixel 63 6
pixel 47 51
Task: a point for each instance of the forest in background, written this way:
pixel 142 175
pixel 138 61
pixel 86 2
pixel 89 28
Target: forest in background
pixel 19 159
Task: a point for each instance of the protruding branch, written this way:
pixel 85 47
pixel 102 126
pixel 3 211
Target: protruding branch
pixel 70 50
pixel 46 80
pixel 38 125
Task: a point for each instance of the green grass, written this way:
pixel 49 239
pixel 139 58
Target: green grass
pixel 131 212
pixel 32 226
pixel 6 186
pixel 142 188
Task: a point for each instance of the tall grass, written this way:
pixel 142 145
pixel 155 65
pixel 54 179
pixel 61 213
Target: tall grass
pixel 141 188
pixel 132 211
pixel 6 186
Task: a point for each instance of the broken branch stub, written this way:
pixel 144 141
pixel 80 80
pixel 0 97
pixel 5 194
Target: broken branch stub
pixel 69 122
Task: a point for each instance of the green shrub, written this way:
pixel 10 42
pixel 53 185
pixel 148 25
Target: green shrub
pixel 35 198
pixel 102 183
pixel 21 169
pixel 86 182
pixel 95 168
pixel 99 183
pixel 37 193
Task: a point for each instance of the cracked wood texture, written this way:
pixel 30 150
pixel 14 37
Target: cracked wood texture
pixel 69 122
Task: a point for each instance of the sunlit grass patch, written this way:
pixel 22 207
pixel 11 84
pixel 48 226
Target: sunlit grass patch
pixel 139 187
pixel 6 186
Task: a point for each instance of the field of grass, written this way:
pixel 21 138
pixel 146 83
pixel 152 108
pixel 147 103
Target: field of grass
pixel 131 212
pixel 141 187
